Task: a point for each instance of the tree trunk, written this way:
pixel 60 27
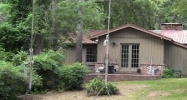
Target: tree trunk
pixel 39 44
pixel 55 41
pixel 79 44
pixel 79 41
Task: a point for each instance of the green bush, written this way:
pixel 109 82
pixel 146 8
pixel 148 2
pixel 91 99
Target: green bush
pixel 12 81
pixel 168 73
pixel 19 58
pixel 47 66
pixel 97 85
pixel 73 76
pixel 6 56
pixel 36 79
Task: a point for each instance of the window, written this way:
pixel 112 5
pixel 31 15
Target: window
pixel 125 55
pixel 135 56
pixel 130 55
pixel 91 54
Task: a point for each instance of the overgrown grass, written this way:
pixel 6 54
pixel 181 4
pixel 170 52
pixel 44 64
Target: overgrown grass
pixel 164 89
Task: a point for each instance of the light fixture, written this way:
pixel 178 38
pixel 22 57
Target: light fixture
pixel 113 43
pixel 96 40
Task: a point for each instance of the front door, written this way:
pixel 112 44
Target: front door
pixel 129 57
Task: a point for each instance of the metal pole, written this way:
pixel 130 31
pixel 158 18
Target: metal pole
pixel 107 45
pixel 31 49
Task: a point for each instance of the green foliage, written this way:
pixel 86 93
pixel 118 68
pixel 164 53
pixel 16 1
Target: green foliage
pixel 19 58
pixel 92 15
pixel 73 76
pixel 5 56
pixel 4 12
pixel 36 78
pixel 13 38
pixel 15 59
pixel 168 73
pixel 12 81
pixel 97 85
pixel 49 60
pixel 140 12
pixel 14 33
pixel 47 66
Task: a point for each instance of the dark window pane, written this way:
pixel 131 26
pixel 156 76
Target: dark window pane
pixel 124 55
pixel 135 56
pixel 91 54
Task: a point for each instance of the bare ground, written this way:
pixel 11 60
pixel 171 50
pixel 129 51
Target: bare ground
pixel 157 94
pixel 125 91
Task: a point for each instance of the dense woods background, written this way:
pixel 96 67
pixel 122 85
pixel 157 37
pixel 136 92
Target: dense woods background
pixel 55 19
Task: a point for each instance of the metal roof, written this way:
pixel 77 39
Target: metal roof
pixel 170 35
pixel 177 35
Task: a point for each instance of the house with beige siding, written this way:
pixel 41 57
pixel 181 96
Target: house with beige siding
pixel 131 47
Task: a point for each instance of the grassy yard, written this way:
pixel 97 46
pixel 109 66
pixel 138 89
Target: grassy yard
pixel 164 89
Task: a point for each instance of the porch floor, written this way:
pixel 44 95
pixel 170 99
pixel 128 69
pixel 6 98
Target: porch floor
pixel 123 77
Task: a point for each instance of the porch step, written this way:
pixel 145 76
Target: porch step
pixel 128 72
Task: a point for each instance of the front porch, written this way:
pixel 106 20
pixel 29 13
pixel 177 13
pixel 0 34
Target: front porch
pixel 123 77
pixel 143 69
pixel 144 73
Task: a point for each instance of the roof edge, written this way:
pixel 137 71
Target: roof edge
pixel 179 44
pixel 132 26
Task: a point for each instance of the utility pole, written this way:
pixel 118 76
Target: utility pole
pixel 107 45
pixel 31 49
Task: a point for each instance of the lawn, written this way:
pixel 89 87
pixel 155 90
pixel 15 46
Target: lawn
pixel 163 89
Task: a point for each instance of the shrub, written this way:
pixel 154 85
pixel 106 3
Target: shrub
pixel 19 58
pixel 47 66
pixel 36 79
pixel 97 85
pixel 73 76
pixel 168 73
pixel 6 56
pixel 12 81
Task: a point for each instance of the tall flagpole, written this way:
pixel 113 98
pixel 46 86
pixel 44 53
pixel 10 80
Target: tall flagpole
pixel 107 45
pixel 31 49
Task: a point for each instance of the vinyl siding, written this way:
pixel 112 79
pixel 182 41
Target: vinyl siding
pixel 150 46
pixel 176 57
pixel 71 53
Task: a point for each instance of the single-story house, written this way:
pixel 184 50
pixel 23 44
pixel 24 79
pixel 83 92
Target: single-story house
pixel 131 47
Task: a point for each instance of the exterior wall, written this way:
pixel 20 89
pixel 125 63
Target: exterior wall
pixel 83 54
pixel 70 54
pixel 150 46
pixel 176 57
